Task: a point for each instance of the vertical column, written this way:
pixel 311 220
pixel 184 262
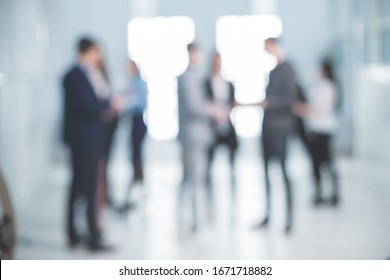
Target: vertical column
pixel 263 7
pixel 375 23
pixel 23 103
pixel 144 8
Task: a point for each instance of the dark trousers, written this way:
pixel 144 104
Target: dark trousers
pixel 138 135
pixel 111 129
pixel 274 144
pixel 85 165
pixel 322 158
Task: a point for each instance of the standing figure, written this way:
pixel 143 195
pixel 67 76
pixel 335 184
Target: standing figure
pixel 135 104
pixel 195 133
pixel 105 198
pixel 321 118
pixel 85 121
pixel 221 95
pixel 278 122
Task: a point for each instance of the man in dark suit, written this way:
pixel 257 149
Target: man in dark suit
pixel 278 123
pixel 86 110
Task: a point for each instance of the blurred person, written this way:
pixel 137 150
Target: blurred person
pixel 86 113
pixel 104 198
pixel 220 94
pixel 135 104
pixel 322 121
pixel 278 123
pixel 195 132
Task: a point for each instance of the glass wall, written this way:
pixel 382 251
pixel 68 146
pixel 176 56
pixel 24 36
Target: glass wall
pixel 371 30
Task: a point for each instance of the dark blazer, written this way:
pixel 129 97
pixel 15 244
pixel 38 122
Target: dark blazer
pixel 281 93
pixel 210 96
pixel 83 123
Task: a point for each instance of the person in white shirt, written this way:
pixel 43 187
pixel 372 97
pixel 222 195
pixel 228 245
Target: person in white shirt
pixel 321 120
pixel 220 94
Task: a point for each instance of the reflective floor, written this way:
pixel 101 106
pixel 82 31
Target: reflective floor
pixel 357 229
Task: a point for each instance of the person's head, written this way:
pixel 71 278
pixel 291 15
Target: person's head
pixel 216 67
pixel 133 67
pixel 89 51
pixel 193 53
pixel 327 70
pixel 271 46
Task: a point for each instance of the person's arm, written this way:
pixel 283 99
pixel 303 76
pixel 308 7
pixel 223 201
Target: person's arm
pixel 262 104
pixel 322 104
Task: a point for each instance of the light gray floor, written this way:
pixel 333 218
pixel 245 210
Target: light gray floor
pixel 358 229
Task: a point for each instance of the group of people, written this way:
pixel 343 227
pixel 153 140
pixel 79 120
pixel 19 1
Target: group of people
pixel 204 107
pixel 91 116
pixel 204 123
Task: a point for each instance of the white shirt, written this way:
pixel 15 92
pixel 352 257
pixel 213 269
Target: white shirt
pixel 222 100
pixel 322 118
pixel 221 91
pixel 98 82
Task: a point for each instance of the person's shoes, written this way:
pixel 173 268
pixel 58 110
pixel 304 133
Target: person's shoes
pixel 262 224
pixel 74 242
pixel 99 246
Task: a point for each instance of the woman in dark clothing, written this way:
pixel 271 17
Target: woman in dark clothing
pixel 104 194
pixel 220 94
pixel 322 121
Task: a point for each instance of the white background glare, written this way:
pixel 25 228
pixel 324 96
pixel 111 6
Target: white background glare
pixel 159 46
pixel 240 40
